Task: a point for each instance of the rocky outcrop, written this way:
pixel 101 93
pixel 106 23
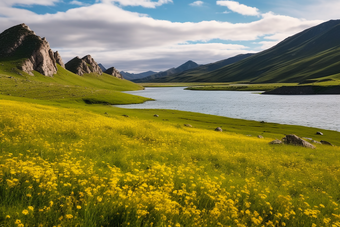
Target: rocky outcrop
pixel 83 65
pixel 20 42
pixel 58 59
pixel 94 67
pixel 293 140
pixel 114 72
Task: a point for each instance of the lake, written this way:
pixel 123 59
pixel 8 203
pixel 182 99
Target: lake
pixel 320 111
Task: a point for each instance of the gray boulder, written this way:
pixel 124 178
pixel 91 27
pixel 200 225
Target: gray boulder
pixel 326 143
pixel 218 129
pixel 276 142
pixel 297 141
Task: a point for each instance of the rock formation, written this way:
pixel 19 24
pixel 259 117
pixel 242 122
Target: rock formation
pixel 58 59
pixel 114 72
pixel 94 67
pixel 83 65
pixel 20 42
pixel 295 140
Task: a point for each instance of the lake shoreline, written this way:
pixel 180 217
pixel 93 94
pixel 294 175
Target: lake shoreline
pixel 305 90
pixel 308 111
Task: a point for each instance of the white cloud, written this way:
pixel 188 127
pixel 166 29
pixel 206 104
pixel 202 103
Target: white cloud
pixel 143 3
pixel 28 2
pixel 312 9
pixel 239 8
pixel 135 42
pixel 197 3
pixel 78 3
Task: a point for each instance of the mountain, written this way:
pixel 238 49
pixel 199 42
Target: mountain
pixel 102 67
pixel 311 55
pixel 186 66
pixel 200 70
pixel 114 72
pixel 83 65
pixel 133 76
pixel 32 52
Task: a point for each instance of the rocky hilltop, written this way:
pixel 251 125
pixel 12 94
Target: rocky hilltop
pixel 83 65
pixel 20 42
pixel 114 72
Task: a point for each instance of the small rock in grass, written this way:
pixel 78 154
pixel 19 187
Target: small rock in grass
pixel 326 143
pixel 276 142
pixel 125 115
pixel 188 125
pixel 314 141
pixel 218 129
pixel 260 137
pixel 306 138
pixel 156 115
pixel 319 133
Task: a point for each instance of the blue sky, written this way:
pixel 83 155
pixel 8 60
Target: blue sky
pixel 142 35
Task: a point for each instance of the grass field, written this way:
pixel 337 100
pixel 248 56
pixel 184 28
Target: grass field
pixel 66 161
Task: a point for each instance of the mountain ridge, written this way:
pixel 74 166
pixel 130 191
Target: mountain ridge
pixel 201 69
pixel 308 55
pixel 132 76
pixel 186 66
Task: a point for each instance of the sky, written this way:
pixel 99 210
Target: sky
pixel 141 35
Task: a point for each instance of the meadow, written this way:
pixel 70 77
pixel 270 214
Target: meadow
pixel 67 158
pixel 74 167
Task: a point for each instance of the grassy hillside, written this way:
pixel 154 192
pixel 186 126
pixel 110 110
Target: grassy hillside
pixel 66 86
pixel 309 56
pixel 65 161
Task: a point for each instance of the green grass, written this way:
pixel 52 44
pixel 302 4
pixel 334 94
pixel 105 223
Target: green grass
pixel 66 86
pixel 67 161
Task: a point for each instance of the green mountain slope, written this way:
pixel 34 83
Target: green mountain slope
pixel 192 74
pixel 311 55
pixel 170 72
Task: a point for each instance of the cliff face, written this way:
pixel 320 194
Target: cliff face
pixel 114 72
pixel 20 42
pixel 58 59
pixel 83 65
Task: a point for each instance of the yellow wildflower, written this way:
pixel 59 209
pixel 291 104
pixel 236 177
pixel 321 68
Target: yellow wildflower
pixel 25 212
pixel 69 216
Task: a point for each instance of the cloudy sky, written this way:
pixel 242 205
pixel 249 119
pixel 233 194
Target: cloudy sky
pixel 142 35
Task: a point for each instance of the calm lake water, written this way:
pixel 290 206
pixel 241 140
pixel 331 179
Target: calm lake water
pixel 321 111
